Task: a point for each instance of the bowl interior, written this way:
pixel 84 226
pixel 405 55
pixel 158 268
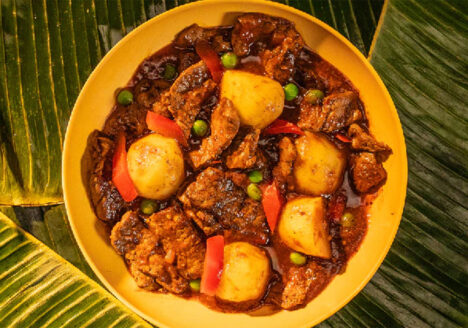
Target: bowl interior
pixel 96 100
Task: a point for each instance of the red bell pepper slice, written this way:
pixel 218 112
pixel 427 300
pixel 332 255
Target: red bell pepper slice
pixel 165 126
pixel 120 176
pixel 211 59
pixel 213 265
pixel 272 202
pixel 283 126
pixel 342 138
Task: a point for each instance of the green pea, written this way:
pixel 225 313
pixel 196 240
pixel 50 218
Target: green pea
pixel 169 72
pixel 125 97
pixel 195 285
pixel 313 96
pixel 297 258
pixel 348 220
pixel 229 60
pixel 256 176
pixel 200 128
pixel 254 192
pixel 290 91
pixel 149 206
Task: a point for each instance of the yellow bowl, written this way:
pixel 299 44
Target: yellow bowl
pixel 95 102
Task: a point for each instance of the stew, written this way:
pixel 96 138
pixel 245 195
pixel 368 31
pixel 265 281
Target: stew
pixel 236 167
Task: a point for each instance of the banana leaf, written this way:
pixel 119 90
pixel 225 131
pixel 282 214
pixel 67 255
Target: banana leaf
pixel 48 49
pixel 419 50
pixel 39 289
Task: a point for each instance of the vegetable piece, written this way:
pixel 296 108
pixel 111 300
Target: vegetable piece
pixel 170 72
pixel 283 126
pixel 229 60
pixel 148 206
pixel 254 191
pixel 297 258
pixel 290 91
pixel 120 175
pixel 256 176
pixel 213 265
pixel 200 128
pixel 211 59
pixel 319 166
pixel 303 226
pixel 195 285
pixel 342 138
pixel 258 99
pixel 165 127
pixel 313 96
pixel 125 97
pixel 348 220
pixel 156 166
pixel 272 203
pixel 246 272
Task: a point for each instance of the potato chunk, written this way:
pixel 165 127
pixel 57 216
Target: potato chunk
pixel 156 166
pixel 258 99
pixel 319 165
pixel 246 271
pixel 303 227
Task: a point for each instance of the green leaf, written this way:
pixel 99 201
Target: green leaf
pixel 47 51
pixel 50 225
pixel 40 289
pixel 421 54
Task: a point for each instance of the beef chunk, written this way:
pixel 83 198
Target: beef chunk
pixel 167 252
pixel 300 282
pixel 274 39
pixel 180 241
pixel 366 172
pixel 363 141
pixel 220 45
pixel 214 192
pixel 245 156
pixel 342 108
pixel 337 111
pixel 147 92
pixel 279 62
pixel 189 36
pixel 186 96
pixel 106 200
pixel 130 119
pixel 206 221
pixel 225 122
pixel 130 238
pixel 283 170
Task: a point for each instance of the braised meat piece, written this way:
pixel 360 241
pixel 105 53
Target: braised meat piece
pixel 366 172
pixel 214 192
pixel 299 282
pixel 169 251
pixel 105 198
pixel 342 108
pixel 245 156
pixel 279 62
pixel 130 238
pixel 186 96
pixel 225 122
pixel 283 170
pixel 274 39
pixel 187 59
pixel 363 141
pixel 337 111
pixel 130 119
pixel 204 220
pixel 189 36
pixel 180 241
pixel 147 92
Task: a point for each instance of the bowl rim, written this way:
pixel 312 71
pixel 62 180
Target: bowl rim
pixel 193 5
